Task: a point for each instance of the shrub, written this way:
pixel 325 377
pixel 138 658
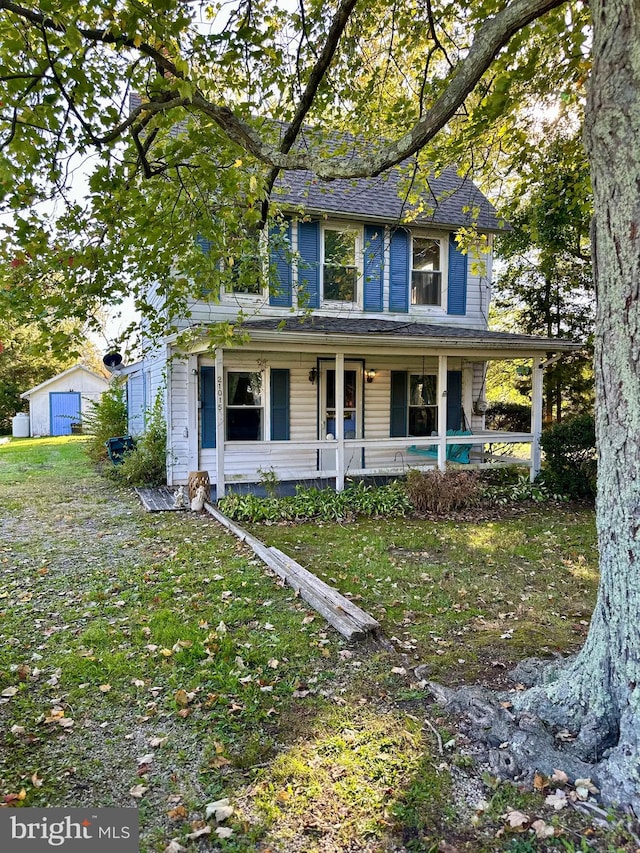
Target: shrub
pixel 570 457
pixel 147 464
pixel 514 489
pixel 105 419
pixel 321 504
pixel 442 491
pixel 513 417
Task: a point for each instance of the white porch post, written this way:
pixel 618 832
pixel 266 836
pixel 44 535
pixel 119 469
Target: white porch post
pixel 442 412
pixel 340 421
pixel 192 413
pixel 220 431
pixel 536 415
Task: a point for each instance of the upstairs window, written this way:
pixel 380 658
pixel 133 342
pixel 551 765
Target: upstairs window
pixel 423 408
pixel 426 272
pixel 244 262
pixel 245 406
pixel 339 268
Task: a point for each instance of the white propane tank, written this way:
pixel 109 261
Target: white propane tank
pixel 20 425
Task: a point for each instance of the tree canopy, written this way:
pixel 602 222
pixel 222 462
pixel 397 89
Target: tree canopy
pixel 97 92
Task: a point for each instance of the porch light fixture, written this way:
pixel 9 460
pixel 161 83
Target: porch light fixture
pixel 313 375
pixel 370 375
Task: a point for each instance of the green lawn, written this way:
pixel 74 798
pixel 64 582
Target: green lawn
pixel 149 660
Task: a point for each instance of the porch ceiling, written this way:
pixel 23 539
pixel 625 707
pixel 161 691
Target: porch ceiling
pixel 340 331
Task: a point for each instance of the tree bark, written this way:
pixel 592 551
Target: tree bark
pixel 596 695
pixel 612 131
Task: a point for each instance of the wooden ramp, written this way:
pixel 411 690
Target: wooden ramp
pixel 345 616
pixel 158 500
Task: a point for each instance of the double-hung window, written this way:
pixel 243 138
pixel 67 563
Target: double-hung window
pixel 245 406
pixel 423 407
pixel 339 264
pixel 426 271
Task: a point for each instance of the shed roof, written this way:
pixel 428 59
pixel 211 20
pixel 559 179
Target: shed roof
pixel 58 376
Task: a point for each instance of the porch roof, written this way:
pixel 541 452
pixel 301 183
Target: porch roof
pixel 400 332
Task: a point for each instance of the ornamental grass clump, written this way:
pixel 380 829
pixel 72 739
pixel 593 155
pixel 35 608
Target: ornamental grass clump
pixel 441 492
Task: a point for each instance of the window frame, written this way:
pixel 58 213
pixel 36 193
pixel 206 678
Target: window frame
pixel 259 295
pixel 443 240
pixel 357 231
pixel 263 408
pixel 410 405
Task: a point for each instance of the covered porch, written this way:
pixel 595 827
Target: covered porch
pixel 324 403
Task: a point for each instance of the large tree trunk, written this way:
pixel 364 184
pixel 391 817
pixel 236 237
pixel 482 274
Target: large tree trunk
pixel 596 695
pixel 612 133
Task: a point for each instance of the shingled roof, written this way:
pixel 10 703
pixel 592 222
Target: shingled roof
pixel 398 329
pixel 450 201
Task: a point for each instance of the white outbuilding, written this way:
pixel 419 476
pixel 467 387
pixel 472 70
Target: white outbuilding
pixel 59 403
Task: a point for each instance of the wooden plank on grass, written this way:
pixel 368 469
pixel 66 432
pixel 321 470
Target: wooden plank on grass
pixel 331 595
pixel 346 617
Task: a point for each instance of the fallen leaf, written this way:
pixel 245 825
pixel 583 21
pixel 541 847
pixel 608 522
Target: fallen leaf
pixel 17 730
pixel 12 798
pixel 8 692
pixel 198 833
pixel 139 791
pixel 146 759
pixel 157 741
pixel 36 781
pixel 557 800
pixel 179 813
pixel 540 782
pixel 516 820
pixel 174 846
pixel 559 777
pixel 181 697
pixel 184 712
pixel 399 670
pixel 273 663
pixel 211 808
pixel 223 813
pixel 224 832
pixel 104 688
pixel 586 784
pixel 542 829
pixel 66 722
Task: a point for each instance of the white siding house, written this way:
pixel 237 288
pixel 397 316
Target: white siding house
pixel 63 400
pixel 370 350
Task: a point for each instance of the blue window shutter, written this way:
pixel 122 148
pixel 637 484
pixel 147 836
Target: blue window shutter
pixel 399 404
pixel 279 262
pixel 454 399
pixel 457 287
pixel 208 406
pixel 204 244
pixel 399 267
pixel 373 267
pixel 309 266
pixel 279 405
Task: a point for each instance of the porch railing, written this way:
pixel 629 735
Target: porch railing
pixel 362 457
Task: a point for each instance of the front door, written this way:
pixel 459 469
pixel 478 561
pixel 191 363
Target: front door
pixel 353 410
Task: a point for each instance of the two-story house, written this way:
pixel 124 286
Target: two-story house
pixel 374 344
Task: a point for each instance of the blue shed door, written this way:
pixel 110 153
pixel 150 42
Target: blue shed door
pixel 64 410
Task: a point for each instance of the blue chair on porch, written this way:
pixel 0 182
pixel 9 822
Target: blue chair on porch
pixel 455 452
